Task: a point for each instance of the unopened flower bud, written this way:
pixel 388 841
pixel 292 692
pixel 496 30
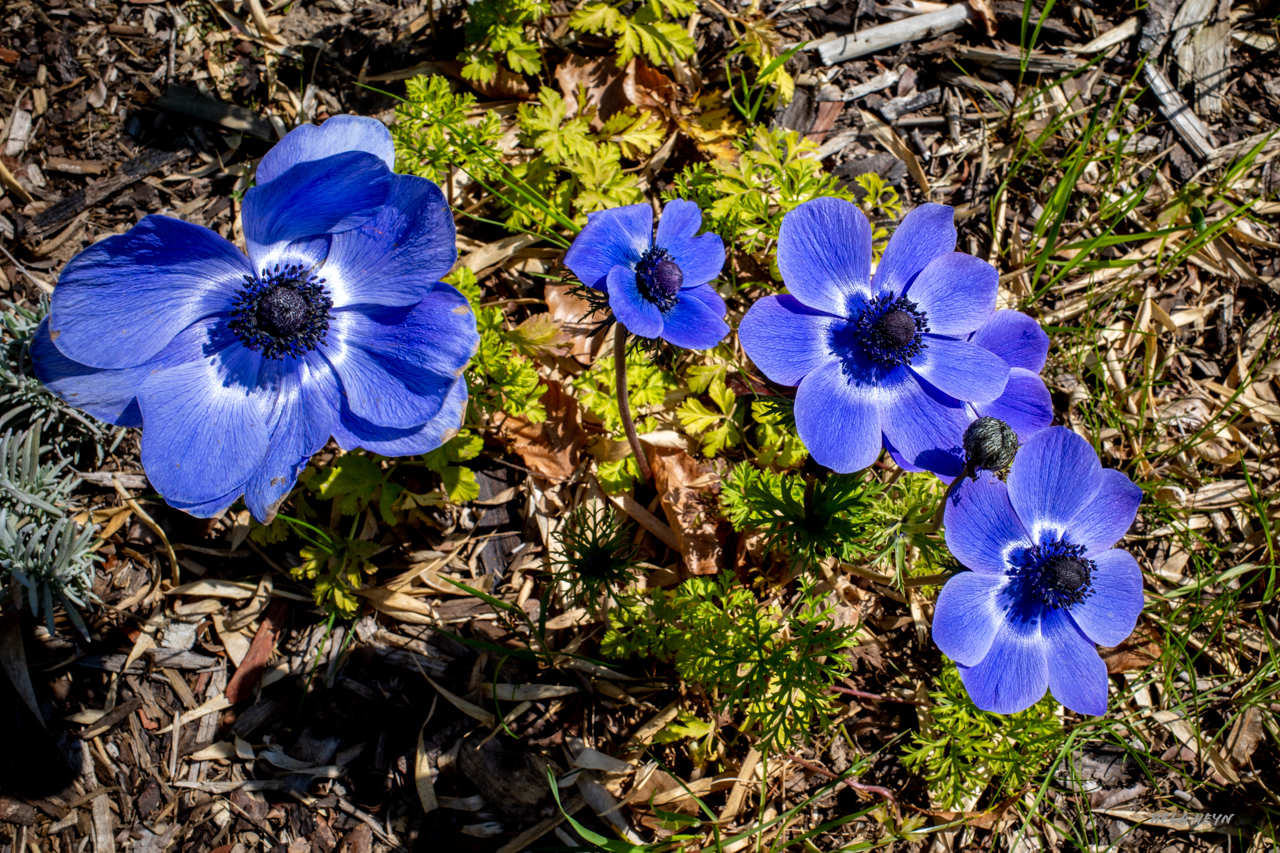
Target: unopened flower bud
pixel 989 444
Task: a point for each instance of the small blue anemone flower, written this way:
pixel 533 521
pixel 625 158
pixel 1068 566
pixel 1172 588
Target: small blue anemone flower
pixel 1047 583
pixel 906 359
pixel 657 284
pixel 239 368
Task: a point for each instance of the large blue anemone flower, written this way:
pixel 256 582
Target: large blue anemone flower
pixel 239 368
pixel 1047 583
pixel 906 359
pixel 657 283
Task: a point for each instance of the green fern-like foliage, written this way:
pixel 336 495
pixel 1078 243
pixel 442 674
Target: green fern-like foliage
pixel 646 33
pixel 501 377
pixel 774 667
pixel 964 750
pixel 580 170
pixel 502 31
pixel 807 518
pixel 745 201
pixel 436 131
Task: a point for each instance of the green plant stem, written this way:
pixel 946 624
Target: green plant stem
pixel 942 504
pixel 624 404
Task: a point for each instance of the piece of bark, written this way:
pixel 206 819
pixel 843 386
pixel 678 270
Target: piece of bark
pixel 878 83
pixel 131 172
pixel 1205 60
pixel 1008 60
pixel 898 107
pixel 877 39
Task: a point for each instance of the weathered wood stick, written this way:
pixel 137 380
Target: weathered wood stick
pixel 877 39
pixel 1178 112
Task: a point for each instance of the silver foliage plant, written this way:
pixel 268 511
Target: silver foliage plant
pixel 47 564
pixel 46 558
pixel 25 402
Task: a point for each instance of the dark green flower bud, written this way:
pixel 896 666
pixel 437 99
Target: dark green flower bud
pixel 989 444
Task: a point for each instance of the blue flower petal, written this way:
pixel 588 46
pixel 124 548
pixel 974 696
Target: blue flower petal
pixel 968 616
pixel 1108 616
pixel 313 198
pixel 961 369
pixel 1016 338
pixel 306 409
pixel 925 426
pixel 1014 674
pixel 838 415
pixel 982 530
pixel 121 301
pixel 1077 676
pixel 337 135
pixel 1105 519
pixel 700 258
pixel 956 292
pixel 1054 476
pixel 786 339
pixel 397 364
pixel 696 321
pixel 824 255
pixel 924 234
pixel 206 422
pixel 352 432
pixel 108 395
pixel 396 257
pixel 638 315
pixel 1025 404
pixel 612 237
pixel 210 508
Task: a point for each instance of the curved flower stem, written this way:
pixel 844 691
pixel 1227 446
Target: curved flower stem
pixel 624 404
pixel 942 504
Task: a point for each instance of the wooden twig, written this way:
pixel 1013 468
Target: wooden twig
pixel 881 38
pixel 1185 123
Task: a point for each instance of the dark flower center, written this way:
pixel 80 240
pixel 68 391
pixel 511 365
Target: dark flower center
pixel 1057 573
pixel 891 331
pixel 283 312
pixel 659 278
pixel 989 444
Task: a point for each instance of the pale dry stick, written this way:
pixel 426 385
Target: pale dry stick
pixel 149 522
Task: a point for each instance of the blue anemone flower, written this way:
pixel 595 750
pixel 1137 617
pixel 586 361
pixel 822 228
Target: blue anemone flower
pixel 657 284
pixel 1047 583
pixel 906 359
pixel 239 368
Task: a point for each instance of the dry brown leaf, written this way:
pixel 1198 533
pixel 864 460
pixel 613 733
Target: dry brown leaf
pixel 688 491
pixel 249 673
pixel 572 314
pixel 1136 653
pixel 1245 736
pixel 399 606
pixel 554 447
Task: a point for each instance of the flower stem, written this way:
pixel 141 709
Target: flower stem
pixel 624 404
pixel 942 504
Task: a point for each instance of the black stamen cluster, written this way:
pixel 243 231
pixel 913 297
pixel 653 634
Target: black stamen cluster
pixel 283 312
pixel 659 278
pixel 891 330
